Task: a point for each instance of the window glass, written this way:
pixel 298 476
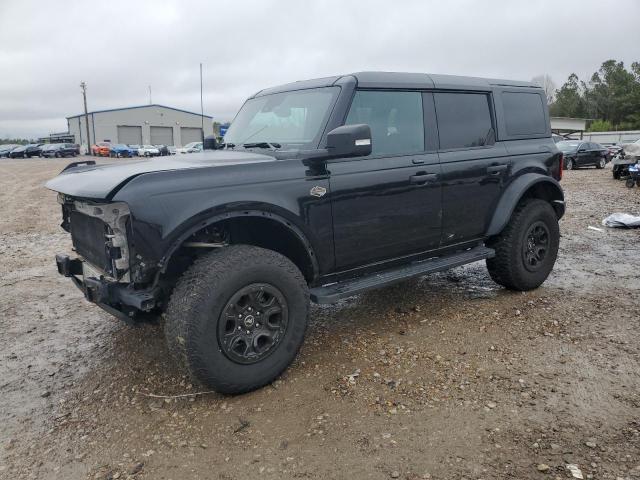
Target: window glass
pixel 524 113
pixel 464 120
pixel 395 119
pixel 294 118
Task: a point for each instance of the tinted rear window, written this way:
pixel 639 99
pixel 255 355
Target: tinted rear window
pixel 464 119
pixel 524 113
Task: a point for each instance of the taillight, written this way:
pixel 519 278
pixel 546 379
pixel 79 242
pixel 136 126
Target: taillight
pixel 560 166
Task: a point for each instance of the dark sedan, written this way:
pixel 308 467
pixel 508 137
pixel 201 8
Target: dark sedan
pixel 6 149
pixel 58 150
pixel 582 154
pixel 27 151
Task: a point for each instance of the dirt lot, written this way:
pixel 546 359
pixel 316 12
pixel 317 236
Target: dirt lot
pixel 448 376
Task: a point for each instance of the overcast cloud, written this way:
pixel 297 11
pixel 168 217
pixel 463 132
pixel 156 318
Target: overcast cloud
pixel 121 47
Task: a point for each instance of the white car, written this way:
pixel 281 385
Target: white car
pixel 190 148
pixel 148 151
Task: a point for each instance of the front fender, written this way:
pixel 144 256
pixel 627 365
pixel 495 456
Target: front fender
pixel 517 190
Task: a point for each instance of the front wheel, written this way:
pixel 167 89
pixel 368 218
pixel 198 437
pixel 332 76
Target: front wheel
pixel 527 248
pixel 237 317
pixel 630 183
pixel 570 164
pixel 601 163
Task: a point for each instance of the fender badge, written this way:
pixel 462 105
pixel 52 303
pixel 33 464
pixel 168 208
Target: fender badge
pixel 318 191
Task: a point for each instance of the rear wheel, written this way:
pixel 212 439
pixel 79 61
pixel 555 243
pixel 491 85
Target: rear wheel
pixel 237 317
pixel 630 182
pixel 527 248
pixel 601 163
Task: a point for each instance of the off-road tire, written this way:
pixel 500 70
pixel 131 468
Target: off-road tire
pixel 616 173
pixel 508 267
pixel 199 298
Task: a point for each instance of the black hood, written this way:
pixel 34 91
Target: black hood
pixel 98 181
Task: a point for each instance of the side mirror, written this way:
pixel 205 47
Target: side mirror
pixel 349 141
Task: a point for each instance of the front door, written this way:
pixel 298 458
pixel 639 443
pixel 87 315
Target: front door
pixel 387 204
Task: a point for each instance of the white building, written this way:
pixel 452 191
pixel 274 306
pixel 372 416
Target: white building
pixel 143 125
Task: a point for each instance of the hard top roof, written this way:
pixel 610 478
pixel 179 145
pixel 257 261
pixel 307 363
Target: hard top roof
pixel 401 80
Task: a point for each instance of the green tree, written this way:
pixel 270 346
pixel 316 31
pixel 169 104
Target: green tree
pixel 569 101
pixel 600 126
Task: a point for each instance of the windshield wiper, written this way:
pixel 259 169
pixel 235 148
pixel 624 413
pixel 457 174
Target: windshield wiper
pixel 271 145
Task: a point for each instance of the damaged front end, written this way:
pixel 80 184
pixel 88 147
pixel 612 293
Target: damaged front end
pixel 99 233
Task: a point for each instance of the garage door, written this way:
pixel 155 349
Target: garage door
pixel 129 135
pixel 188 135
pixel 161 136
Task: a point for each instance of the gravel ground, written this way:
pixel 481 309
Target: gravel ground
pixel 443 377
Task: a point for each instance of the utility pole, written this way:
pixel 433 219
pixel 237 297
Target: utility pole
pixel 83 86
pixel 150 101
pixel 201 108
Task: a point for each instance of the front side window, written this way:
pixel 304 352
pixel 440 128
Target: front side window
pixel 395 119
pixel 464 120
pixel 293 119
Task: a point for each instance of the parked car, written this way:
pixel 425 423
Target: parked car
pixel 172 150
pixel 58 150
pixel 6 149
pixel 385 177
pixel 614 149
pixel 627 157
pixel 32 150
pixel 582 154
pixel 190 148
pixel 18 152
pixel 163 149
pixel 101 149
pixel 121 150
pixel 134 147
pixel 26 151
pixel 148 151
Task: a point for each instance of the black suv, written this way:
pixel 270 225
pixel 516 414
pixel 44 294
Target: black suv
pixel 325 188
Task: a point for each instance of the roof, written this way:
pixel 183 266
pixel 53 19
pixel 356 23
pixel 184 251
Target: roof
pixel 139 106
pixel 402 80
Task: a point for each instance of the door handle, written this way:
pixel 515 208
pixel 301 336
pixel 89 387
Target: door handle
pixel 496 169
pixel 422 178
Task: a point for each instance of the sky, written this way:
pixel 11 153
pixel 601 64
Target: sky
pixel 121 47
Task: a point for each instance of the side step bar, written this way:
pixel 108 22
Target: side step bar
pixel 337 291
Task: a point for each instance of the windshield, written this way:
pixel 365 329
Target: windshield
pixel 567 145
pixel 294 118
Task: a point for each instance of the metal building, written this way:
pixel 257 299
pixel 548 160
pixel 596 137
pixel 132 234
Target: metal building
pixel 143 125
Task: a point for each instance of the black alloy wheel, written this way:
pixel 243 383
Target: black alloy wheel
pixel 252 323
pixel 535 246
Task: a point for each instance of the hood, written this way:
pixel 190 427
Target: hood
pixel 98 181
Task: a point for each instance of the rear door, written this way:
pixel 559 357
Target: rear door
pixel 387 204
pixel 474 166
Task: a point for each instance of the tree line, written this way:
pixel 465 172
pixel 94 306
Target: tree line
pixel 610 99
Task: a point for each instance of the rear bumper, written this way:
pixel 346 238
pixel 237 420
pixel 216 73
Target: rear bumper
pixel 118 299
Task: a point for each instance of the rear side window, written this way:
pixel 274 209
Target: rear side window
pixel 464 120
pixel 524 113
pixel 395 119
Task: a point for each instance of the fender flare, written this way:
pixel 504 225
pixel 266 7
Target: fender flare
pixel 515 191
pixel 164 261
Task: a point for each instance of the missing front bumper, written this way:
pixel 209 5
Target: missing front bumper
pixel 118 299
